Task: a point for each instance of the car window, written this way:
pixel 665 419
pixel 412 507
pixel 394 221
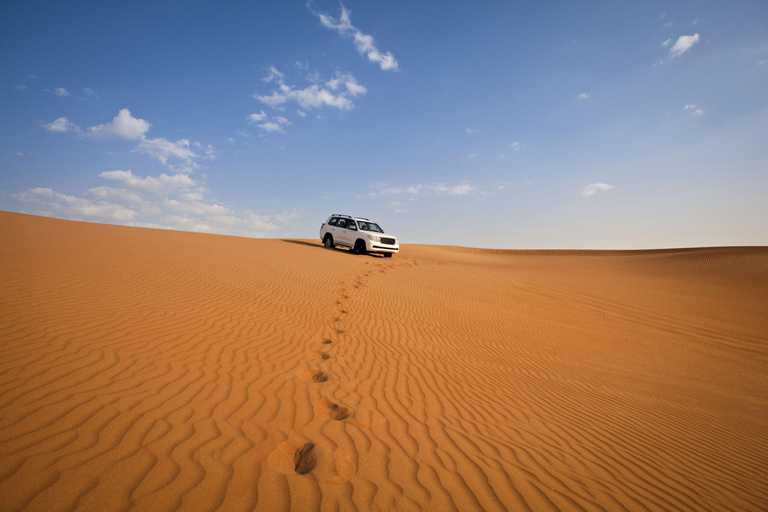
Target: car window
pixel 332 222
pixel 363 226
pixel 341 223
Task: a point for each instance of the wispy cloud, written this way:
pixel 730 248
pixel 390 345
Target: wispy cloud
pixel 337 92
pixel 61 125
pixel 363 42
pixel 160 184
pixel 438 189
pixel 165 202
pixel 583 96
pixel 58 91
pixel 258 117
pixel 165 151
pixel 683 44
pixel 515 145
pixel 177 155
pixel 455 190
pixel 274 125
pixel 693 110
pixel 594 188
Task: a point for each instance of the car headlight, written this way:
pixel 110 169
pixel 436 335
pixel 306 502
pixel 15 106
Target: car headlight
pixel 374 238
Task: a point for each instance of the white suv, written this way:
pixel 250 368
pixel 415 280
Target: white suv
pixel 358 234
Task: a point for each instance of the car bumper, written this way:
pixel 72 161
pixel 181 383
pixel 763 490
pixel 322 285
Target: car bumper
pixel 383 248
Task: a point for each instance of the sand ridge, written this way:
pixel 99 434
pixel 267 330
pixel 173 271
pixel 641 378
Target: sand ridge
pixel 153 370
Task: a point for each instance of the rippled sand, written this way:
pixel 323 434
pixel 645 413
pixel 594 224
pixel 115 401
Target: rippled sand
pixel 158 370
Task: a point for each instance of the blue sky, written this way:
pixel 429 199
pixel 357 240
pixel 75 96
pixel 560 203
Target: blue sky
pixel 499 124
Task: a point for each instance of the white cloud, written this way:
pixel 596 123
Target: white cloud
pixel 118 195
pixel 470 130
pixel 162 184
pixel 666 43
pixel 683 44
pixel 456 190
pixel 515 146
pixel 164 150
pixel 58 91
pixel 154 201
pixel 363 42
pixel 123 126
pixel 61 125
pixel 273 74
pixel 255 118
pixel 21 87
pixel 334 93
pixel 438 188
pixel 761 63
pixel 310 97
pixel 275 125
pixel 472 155
pixel 271 127
pixel 209 152
pixel 693 110
pixel 301 113
pixel 595 187
pixel 695 22
pixel 583 96
pixel 76 208
pixel 230 140
pixel 88 92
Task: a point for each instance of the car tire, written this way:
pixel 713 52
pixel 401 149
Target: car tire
pixel 359 247
pixel 328 242
pixel 387 254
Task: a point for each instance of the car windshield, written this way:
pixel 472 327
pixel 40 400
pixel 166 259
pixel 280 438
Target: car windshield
pixel 369 226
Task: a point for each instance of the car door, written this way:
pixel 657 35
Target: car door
pixel 350 233
pixel 330 228
pixel 340 235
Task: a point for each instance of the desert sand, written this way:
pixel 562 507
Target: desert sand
pixel 160 370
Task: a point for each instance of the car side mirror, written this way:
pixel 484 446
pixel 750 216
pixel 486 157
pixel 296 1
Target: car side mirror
pixel 353 228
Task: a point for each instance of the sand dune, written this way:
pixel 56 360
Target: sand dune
pixel 158 370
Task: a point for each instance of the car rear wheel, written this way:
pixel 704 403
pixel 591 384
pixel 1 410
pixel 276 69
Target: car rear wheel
pixel 359 247
pixel 328 242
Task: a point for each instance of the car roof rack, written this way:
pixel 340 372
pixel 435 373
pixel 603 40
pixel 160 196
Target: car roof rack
pixel 347 216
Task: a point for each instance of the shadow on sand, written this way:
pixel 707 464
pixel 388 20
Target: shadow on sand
pixel 318 245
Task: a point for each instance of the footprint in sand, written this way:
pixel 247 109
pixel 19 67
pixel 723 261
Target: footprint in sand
pixel 303 457
pixel 325 356
pixel 337 412
pixel 327 342
pixel 333 410
pixel 303 460
pixel 319 377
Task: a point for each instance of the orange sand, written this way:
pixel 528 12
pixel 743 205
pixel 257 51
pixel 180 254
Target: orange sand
pixel 158 370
